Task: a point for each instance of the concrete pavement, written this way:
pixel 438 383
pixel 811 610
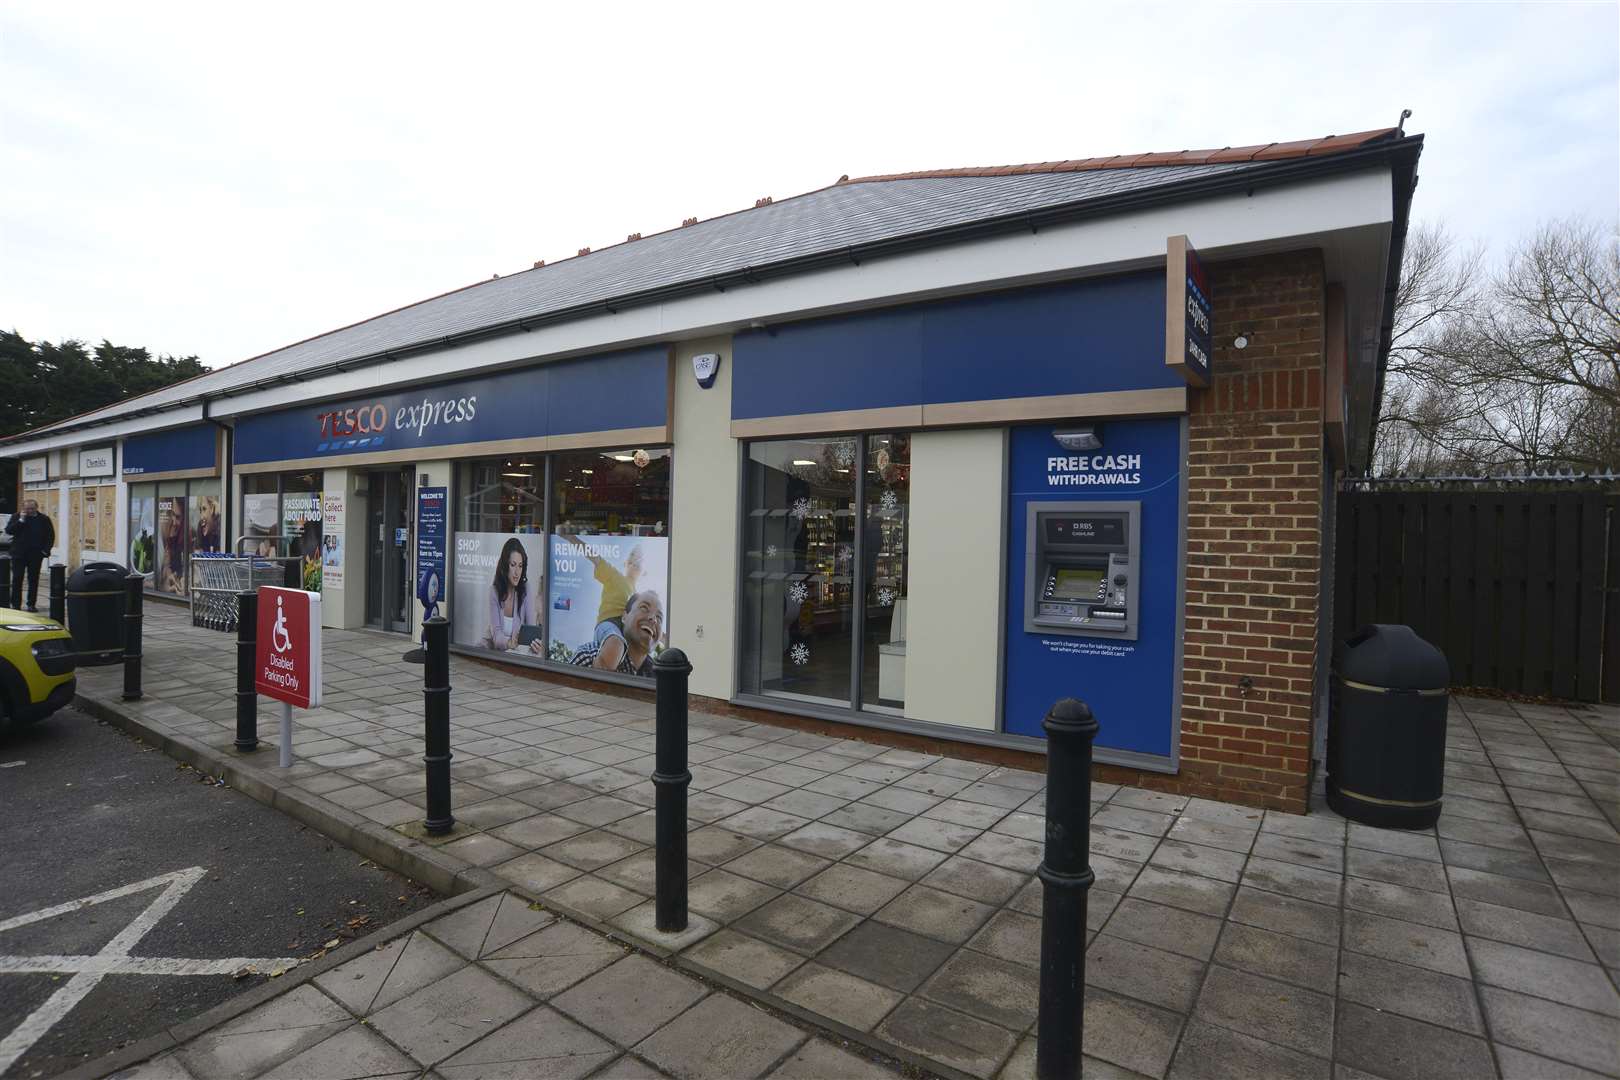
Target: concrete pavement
pixel 888 896
pixel 500 989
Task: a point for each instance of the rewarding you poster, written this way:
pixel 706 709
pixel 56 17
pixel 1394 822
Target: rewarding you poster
pixel 499 596
pixel 607 601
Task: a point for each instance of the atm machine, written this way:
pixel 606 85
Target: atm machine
pixel 1081 558
pixel 1095 574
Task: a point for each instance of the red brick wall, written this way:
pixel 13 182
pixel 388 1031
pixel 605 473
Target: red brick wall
pixel 1253 542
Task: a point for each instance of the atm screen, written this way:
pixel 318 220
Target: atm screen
pixel 1076 584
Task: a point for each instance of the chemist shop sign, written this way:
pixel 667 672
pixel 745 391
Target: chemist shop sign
pixel 1094 470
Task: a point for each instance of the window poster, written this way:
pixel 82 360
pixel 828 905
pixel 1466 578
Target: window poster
pixel 89 532
pixel 499 592
pixel 607 600
pixel 172 543
pixel 107 525
pixel 301 524
pixel 75 530
pixel 205 526
pixel 259 521
pixel 142 533
pixel 333 516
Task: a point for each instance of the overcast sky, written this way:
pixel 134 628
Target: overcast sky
pixel 225 179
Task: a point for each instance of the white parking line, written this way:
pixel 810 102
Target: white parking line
pixel 113 959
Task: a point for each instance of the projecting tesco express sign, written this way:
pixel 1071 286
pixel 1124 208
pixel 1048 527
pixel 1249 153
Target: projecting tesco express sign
pixel 369 425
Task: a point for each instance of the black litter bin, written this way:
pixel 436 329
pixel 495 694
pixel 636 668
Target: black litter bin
pixel 1387 740
pixel 95 612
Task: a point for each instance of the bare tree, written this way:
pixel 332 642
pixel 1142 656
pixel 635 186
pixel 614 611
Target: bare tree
pixel 1554 332
pixel 1516 372
pixel 1425 396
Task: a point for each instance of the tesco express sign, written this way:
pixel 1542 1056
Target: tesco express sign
pixel 373 419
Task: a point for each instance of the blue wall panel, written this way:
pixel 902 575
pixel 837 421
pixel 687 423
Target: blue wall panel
pixel 1075 338
pixel 1131 686
pixel 621 390
pixel 171 451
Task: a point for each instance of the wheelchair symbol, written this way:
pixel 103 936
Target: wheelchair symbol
pixel 280 639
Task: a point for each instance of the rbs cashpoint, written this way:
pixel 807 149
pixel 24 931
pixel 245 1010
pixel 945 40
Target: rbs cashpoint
pixel 1095 575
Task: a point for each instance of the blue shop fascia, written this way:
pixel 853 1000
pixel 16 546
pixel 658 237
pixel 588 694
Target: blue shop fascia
pixel 907 452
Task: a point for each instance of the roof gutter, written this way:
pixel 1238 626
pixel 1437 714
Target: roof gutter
pixel 1389 152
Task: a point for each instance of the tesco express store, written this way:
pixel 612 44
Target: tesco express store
pixel 918 453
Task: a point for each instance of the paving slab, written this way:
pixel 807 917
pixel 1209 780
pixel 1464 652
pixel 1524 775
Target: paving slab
pixel 720 1039
pixel 1389 1045
pixel 445 1016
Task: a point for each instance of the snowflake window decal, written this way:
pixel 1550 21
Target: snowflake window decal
pixel 886 597
pixel 798 593
pixel 800 654
pixel 770 551
pixel 890 503
pixel 801 508
pixel 846 453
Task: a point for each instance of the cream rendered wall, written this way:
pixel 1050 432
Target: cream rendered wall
pixel 703 523
pixel 954 567
pixel 345 608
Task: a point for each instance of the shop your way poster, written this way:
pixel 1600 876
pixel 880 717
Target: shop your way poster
pixel 499 592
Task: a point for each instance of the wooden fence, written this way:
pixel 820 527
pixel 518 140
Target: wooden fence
pixel 1520 589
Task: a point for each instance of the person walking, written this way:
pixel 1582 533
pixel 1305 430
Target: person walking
pixel 32 537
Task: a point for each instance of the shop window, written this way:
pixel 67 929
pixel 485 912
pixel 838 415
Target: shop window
pixel 824 586
pixel 203 505
pixel 143 531
pixel 798 567
pixel 261 512
pixel 886 506
pixel 301 523
pixel 169 575
pixel 500 552
pixel 608 570
pixel 592 591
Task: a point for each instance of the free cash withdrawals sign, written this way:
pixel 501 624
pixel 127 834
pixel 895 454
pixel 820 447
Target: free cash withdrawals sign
pixel 1189 314
pixel 287 650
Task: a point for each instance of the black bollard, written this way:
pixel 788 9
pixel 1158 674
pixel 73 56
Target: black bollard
pixel 1066 877
pixel 247 699
pixel 134 596
pixel 436 708
pixel 670 780
pixel 58 594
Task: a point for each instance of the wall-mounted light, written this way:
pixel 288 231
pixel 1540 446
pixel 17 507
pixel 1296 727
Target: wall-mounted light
pixel 1088 437
pixel 1242 339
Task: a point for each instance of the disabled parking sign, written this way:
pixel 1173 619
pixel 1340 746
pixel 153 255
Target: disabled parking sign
pixel 287 649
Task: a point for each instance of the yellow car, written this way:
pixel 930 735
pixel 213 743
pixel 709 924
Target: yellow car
pixel 36 668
